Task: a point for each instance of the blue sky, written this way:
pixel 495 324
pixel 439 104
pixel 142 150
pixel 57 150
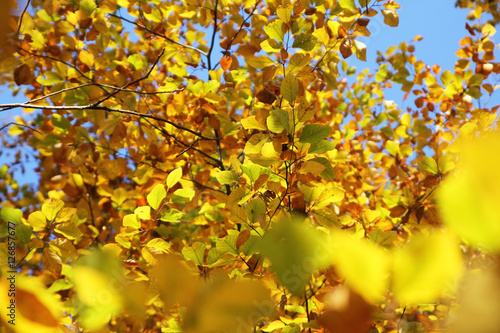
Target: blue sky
pixel 439 23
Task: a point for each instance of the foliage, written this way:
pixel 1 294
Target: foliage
pixel 268 187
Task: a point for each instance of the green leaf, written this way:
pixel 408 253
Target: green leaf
pixel 214 255
pixel 289 88
pixel 228 243
pixel 295 251
pixel 275 30
pixel 172 215
pixel 24 233
pixel 137 61
pixel 88 6
pixel 476 79
pixel 347 4
pixel 195 253
pixel 60 123
pixel 252 171
pixel 381 73
pixel 278 121
pixel 428 164
pixel 227 177
pixel 328 173
pixel 300 25
pixel 305 41
pixel 12 215
pixel 314 133
pixel 174 177
pixel 321 147
pixel 50 79
pixel 156 196
pixel 182 195
pixel 254 208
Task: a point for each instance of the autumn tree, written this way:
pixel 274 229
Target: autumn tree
pixel 206 166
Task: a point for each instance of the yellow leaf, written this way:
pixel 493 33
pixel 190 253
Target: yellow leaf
pixel 425 267
pixel 86 58
pixel 313 167
pixel 391 17
pixel 289 88
pixel 469 198
pixel 259 62
pixel 131 220
pixel 100 296
pixel 37 220
pixel 174 177
pixel 175 284
pixel 143 212
pixel 51 208
pixel 363 264
pixel 284 13
pixel 35 310
pixel 218 310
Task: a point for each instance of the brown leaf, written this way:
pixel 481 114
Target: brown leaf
pixel 23 75
pixel 346 312
pixel 261 180
pixel 469 29
pixel 242 237
pixel 265 96
pixel 363 21
pixel 397 211
pixel 345 48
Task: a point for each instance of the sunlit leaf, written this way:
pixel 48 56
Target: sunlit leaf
pixel 156 196
pixel 174 177
pixel 275 30
pixel 468 198
pixel 425 267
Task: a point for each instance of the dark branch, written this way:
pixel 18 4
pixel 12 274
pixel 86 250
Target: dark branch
pixel 160 35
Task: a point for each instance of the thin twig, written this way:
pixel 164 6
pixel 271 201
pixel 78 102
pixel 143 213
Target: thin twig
pixel 17 124
pixel 214 32
pixel 4 107
pixel 239 30
pixel 21 17
pixel 160 35
pixel 133 82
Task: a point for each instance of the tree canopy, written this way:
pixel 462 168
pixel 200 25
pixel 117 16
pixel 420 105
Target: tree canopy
pixel 219 166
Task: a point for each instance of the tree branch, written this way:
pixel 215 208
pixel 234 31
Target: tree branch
pixel 214 32
pixel 160 35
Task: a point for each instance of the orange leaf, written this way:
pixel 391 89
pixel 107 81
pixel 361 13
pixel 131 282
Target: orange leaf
pixel 225 62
